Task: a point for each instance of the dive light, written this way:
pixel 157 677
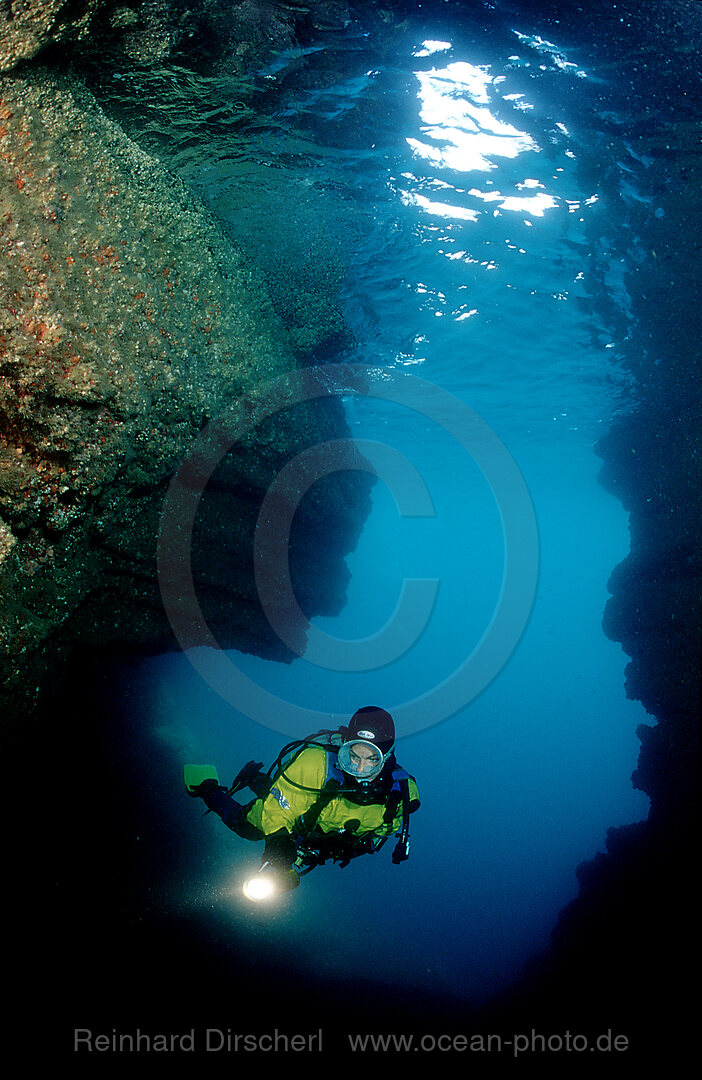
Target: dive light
pixel 269 882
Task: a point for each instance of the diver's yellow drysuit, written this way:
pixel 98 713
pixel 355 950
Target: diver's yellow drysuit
pixel 298 788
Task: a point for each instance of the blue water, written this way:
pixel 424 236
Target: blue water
pixel 456 170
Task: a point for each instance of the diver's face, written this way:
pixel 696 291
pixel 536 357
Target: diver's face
pixel 363 758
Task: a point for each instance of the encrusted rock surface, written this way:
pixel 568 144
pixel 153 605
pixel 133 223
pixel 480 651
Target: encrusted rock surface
pixel 126 322
pixel 144 29
pixel 27 26
pixel 238 33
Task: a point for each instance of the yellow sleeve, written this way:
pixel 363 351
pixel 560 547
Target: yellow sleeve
pixel 287 801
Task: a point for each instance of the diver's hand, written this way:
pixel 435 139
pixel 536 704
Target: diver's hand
pixel 202 790
pixel 280 850
pixel 401 852
pixel 249 774
pixel 285 880
pixel 269 882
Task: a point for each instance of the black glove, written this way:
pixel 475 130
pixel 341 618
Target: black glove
pixel 270 882
pixel 280 850
pixel 250 776
pixel 278 856
pixel 401 852
pixel 286 880
pixel 202 789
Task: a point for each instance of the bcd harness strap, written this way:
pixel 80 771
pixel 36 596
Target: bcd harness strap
pixel 402 847
pixel 400 794
pixel 308 821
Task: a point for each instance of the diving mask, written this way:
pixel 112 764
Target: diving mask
pixel 361 760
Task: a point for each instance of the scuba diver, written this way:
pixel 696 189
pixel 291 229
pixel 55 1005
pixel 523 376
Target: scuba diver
pixel 333 795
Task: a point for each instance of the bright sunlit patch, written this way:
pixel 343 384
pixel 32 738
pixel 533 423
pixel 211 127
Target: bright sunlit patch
pixel 535 204
pixel 547 48
pixel 455 104
pixel 518 101
pixel 531 204
pixel 446 210
pixel 430 47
